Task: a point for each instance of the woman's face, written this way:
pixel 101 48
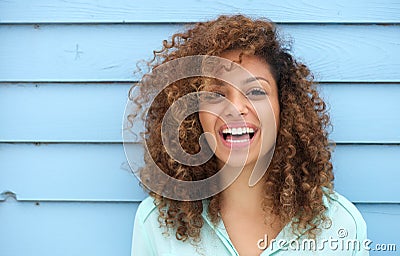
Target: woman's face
pixel 241 117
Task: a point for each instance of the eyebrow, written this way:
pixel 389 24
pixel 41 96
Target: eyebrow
pixel 255 78
pixel 249 80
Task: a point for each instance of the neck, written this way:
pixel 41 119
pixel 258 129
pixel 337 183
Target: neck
pixel 239 195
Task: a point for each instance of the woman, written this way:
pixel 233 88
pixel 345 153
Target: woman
pixel 267 118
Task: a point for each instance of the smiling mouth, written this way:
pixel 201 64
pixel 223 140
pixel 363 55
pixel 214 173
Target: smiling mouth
pixel 237 136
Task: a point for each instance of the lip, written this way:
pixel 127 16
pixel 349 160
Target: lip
pixel 232 145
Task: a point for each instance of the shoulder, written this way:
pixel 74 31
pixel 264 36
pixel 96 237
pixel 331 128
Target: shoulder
pixel 345 216
pixel 145 229
pixel 339 205
pixel 145 209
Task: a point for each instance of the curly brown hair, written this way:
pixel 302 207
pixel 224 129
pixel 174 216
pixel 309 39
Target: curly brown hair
pixel 300 172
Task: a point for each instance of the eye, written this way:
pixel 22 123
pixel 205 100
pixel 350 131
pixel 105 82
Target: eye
pixel 211 97
pixel 256 93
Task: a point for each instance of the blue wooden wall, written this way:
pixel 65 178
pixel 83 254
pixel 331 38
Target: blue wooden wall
pixel 66 67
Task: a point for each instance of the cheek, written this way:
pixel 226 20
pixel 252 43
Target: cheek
pixel 268 113
pixel 276 111
pixel 273 110
pixel 207 121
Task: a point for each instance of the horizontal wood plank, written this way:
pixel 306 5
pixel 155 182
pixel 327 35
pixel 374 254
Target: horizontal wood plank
pixel 106 228
pixel 100 172
pixel 64 229
pixel 335 53
pixel 382 226
pixel 361 113
pixel 112 11
pixel 363 172
pixel 68 172
pixel 61 112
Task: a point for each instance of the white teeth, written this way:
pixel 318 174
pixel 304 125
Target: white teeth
pixel 238 131
pixel 237 141
pixel 234 131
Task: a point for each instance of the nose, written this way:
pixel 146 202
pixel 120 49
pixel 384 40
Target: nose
pixel 238 104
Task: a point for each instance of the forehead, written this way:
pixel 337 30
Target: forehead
pixel 241 67
pixel 240 71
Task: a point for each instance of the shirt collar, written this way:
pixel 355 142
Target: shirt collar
pixel 220 230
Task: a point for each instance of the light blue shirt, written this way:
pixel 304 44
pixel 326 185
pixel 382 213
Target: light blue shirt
pixel 347 235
